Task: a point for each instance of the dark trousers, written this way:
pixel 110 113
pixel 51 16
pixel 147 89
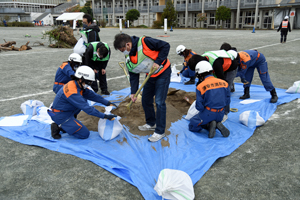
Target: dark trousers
pixel 157 87
pixel 283 36
pixel 102 82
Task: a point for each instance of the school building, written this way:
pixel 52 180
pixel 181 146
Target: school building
pixel 263 14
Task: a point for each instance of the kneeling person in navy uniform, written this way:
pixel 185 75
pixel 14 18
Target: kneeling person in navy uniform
pixel 213 94
pixel 70 100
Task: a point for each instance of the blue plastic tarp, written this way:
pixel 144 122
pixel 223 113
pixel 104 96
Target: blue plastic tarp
pixel 138 161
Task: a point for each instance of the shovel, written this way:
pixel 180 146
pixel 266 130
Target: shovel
pixel 122 65
pixel 143 84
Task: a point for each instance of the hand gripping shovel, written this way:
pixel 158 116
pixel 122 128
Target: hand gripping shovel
pixel 139 90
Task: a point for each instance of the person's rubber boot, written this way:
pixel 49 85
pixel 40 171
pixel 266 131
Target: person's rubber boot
pixel 55 131
pixel 246 93
pixel 105 92
pixel 191 81
pixel 232 89
pixel 274 96
pixel 62 130
pixel 224 131
pixel 212 129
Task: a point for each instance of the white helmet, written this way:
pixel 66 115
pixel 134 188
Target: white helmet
pixel 233 53
pixel 203 66
pixel 85 72
pixel 75 57
pixel 180 49
pixel 286 17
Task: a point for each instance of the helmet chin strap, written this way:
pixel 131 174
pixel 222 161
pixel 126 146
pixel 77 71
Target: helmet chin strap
pixel 80 83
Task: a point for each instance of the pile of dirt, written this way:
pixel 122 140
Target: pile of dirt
pixel 177 105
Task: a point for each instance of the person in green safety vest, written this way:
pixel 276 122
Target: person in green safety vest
pixel 143 54
pixel 97 56
pixel 90 31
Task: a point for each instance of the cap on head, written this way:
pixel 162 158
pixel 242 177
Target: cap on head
pixel 85 72
pixel 203 66
pixel 180 49
pixel 232 53
pixel 286 17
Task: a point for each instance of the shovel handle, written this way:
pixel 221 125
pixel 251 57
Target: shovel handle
pixel 122 65
pixel 143 84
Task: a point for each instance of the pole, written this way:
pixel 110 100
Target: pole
pixel 165 25
pixel 120 24
pixel 93 6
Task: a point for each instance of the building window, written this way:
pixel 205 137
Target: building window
pixel 212 19
pixel 130 3
pixel 267 20
pixel 249 17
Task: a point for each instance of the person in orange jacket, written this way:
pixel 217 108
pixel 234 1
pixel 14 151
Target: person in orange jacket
pixel 186 71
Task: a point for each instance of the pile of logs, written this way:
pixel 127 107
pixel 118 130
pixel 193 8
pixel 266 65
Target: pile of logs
pixel 9 46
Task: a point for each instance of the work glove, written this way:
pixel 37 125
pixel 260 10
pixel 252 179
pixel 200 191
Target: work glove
pixel 178 73
pixel 111 104
pixel 110 117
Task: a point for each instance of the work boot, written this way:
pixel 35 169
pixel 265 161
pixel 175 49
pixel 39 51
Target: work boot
pixel 55 131
pixel 212 129
pixel 62 130
pixel 224 131
pixel 246 93
pixel 105 92
pixel 232 89
pixel 191 81
pixel 274 96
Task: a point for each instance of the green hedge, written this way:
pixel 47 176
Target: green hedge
pixel 19 24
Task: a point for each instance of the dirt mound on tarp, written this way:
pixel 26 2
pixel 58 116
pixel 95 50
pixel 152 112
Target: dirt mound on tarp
pixel 177 105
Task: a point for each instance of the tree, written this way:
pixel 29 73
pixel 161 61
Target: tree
pixel 223 13
pixel 87 8
pixel 170 13
pixel 7 18
pixel 132 15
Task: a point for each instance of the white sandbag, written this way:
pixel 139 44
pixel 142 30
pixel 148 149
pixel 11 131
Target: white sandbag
pixel 29 107
pixel 174 76
pixel 108 129
pixel 174 184
pixel 192 111
pixel 80 47
pixel 251 119
pixel 295 88
pixel 42 115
